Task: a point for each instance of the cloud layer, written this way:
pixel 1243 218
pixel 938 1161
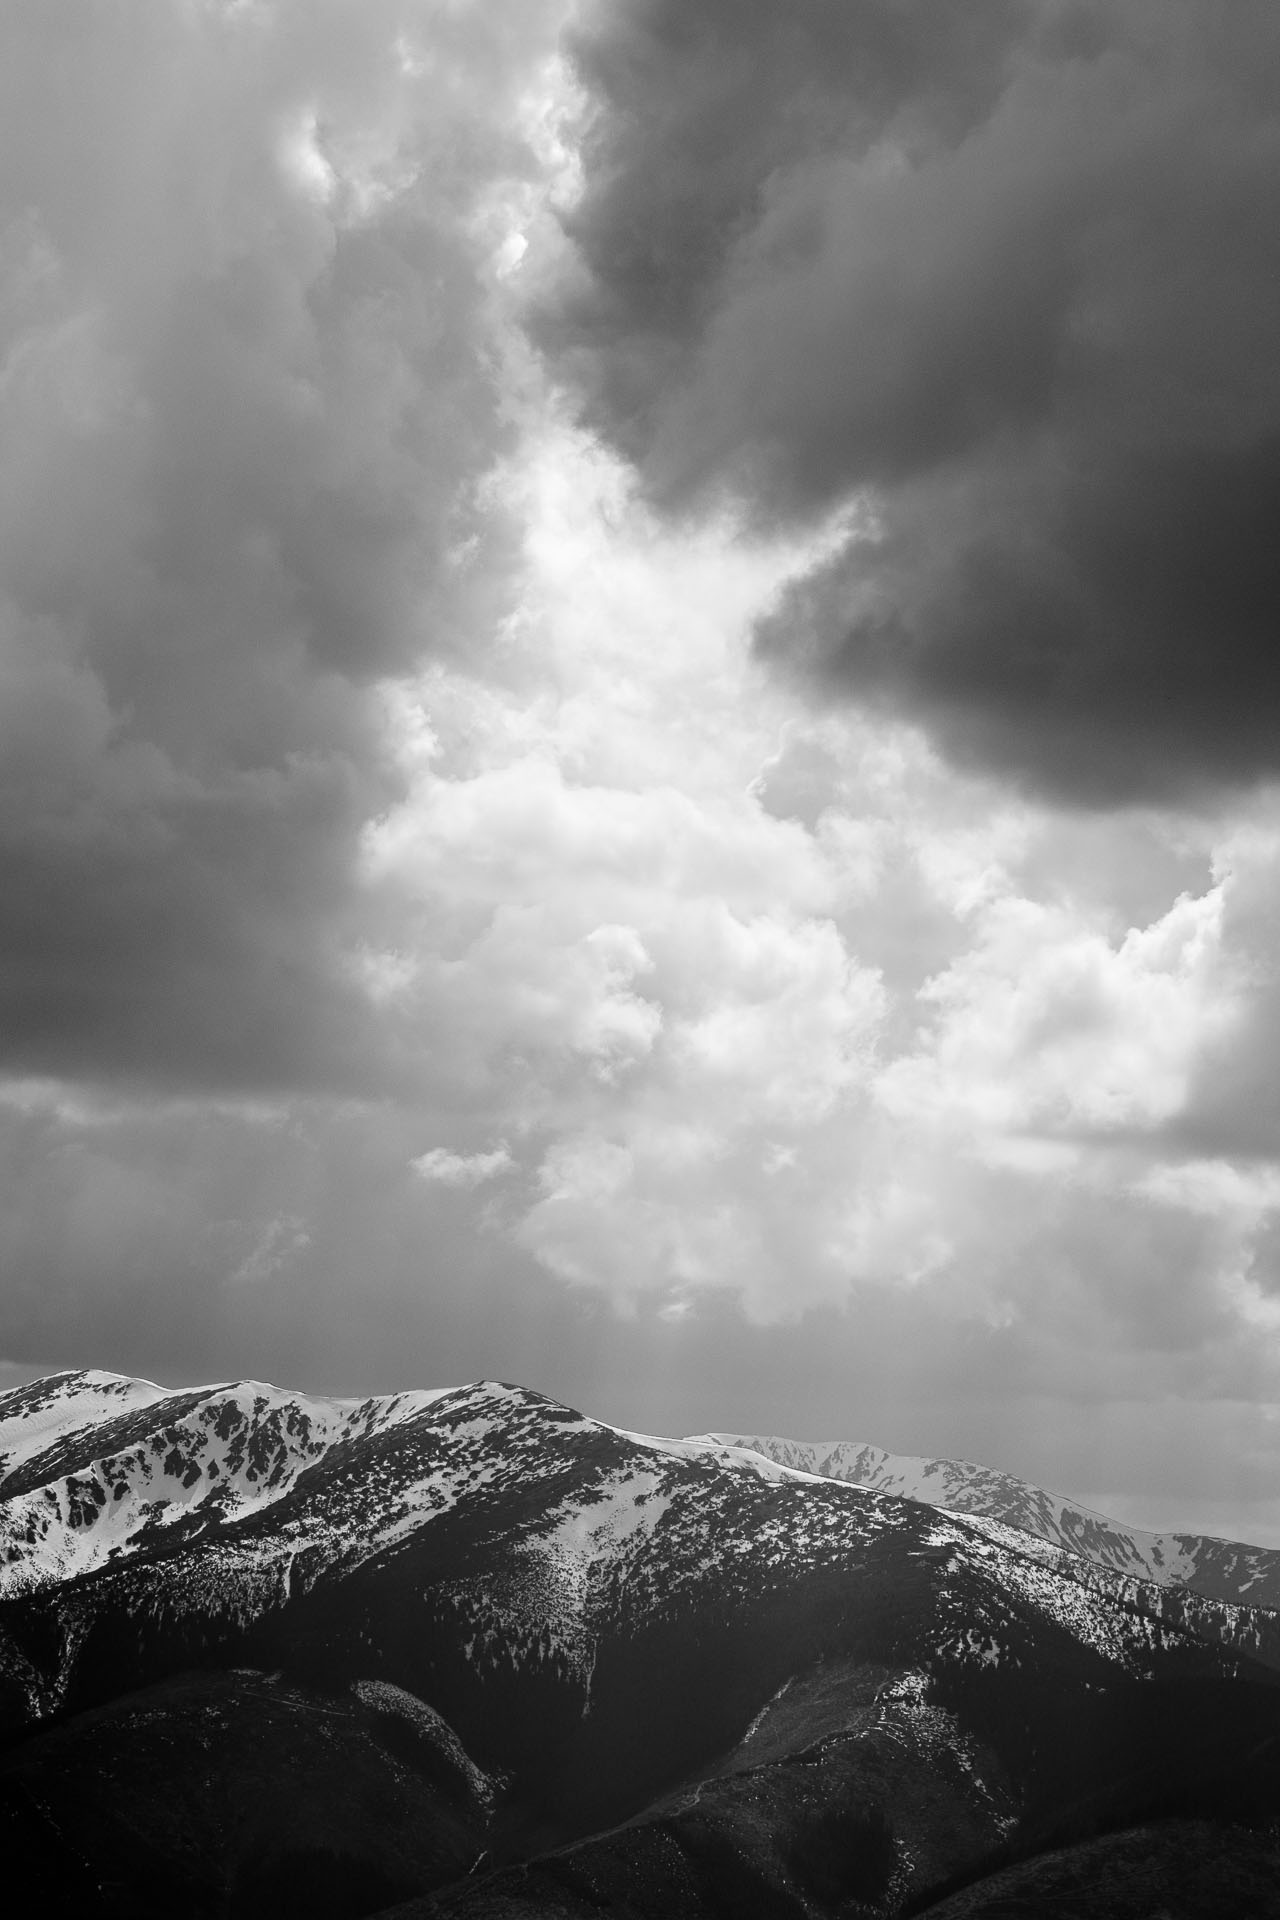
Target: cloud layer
pixel 433 940
pixel 247 404
pixel 1006 276
pixel 732 1059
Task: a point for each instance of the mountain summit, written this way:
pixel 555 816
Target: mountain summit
pixel 472 1651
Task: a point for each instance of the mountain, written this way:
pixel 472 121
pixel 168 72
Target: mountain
pixel 472 1653
pixel 1221 1569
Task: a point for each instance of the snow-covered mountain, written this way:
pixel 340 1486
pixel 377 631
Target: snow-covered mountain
pixel 1221 1569
pixel 253 1640
pixel 94 1467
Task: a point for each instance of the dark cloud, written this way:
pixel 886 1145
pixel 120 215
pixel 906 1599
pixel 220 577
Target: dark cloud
pixel 247 404
pixel 1010 274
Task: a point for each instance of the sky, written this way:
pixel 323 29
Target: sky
pixel 640 719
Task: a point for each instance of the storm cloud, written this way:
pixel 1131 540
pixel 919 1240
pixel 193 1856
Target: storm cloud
pixel 1000 282
pixel 247 405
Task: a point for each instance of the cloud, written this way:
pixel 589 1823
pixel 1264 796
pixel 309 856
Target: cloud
pixel 462 1169
pixel 1046 1027
pixel 432 942
pixel 1003 277
pixel 757 1070
pixel 772 1006
pixel 248 404
pixel 282 1241
pixel 1232 1108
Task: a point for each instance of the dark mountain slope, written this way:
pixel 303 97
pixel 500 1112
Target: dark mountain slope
pixel 477 1623
pixel 908 1787
pixel 231 1793
pixel 1170 1870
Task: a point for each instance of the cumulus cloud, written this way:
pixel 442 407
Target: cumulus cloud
pixel 745 1059
pixel 1005 276
pixel 774 1007
pixel 247 407
pixel 1046 1027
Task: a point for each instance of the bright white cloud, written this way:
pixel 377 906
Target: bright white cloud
pixel 774 1004
pixel 449 1169
pixel 1046 1025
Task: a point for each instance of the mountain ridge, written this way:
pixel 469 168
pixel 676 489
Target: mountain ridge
pixel 86 1429
pixel 1220 1568
pixel 728 1683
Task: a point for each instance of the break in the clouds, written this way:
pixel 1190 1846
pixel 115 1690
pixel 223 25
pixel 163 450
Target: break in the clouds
pixel 1004 279
pixel 248 401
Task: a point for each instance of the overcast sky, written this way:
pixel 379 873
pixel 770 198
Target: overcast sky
pixel 640 715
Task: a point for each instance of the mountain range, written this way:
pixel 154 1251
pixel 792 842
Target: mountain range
pixel 1222 1569
pixel 471 1653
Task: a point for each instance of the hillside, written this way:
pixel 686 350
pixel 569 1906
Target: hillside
pixel 266 1653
